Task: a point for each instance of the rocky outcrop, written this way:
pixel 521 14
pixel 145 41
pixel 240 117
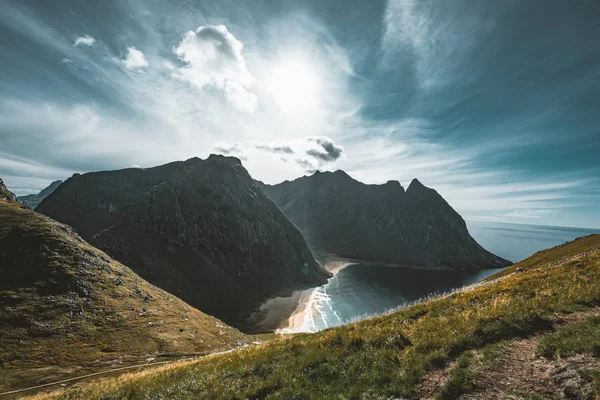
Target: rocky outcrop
pixel 200 229
pixel 6 194
pixel 380 223
pixel 32 200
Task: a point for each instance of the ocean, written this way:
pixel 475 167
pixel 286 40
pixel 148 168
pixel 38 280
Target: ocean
pixel 360 291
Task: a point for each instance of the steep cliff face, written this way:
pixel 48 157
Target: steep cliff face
pixel 32 200
pixel 199 229
pixel 381 223
pixel 6 194
pixel 92 202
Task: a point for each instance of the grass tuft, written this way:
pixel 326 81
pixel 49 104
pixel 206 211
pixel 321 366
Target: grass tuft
pixel 579 338
pixel 461 379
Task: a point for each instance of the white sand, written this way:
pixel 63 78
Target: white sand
pixel 298 320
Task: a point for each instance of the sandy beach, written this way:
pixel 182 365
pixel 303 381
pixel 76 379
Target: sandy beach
pixel 335 266
pixel 299 321
pixel 292 314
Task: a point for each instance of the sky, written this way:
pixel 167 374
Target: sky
pixel 496 105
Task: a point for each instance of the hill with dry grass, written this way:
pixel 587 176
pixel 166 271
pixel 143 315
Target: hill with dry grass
pixel 531 333
pixel 66 307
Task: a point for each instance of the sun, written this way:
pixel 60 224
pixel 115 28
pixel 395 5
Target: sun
pixel 294 85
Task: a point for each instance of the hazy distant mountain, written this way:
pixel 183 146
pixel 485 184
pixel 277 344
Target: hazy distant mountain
pixel 6 194
pixel 200 229
pixel 32 200
pixel 381 223
pixel 65 303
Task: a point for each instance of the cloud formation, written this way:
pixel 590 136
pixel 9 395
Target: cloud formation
pixel 227 149
pixel 134 59
pixel 328 151
pixel 442 91
pixel 213 58
pixel 308 153
pixel 275 149
pixel 86 40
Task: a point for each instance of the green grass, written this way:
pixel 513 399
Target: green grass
pixel 549 256
pixel 382 357
pixel 461 379
pixel 579 338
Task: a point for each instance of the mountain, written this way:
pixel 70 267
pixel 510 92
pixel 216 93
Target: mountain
pixel 6 194
pixel 32 200
pixel 379 223
pixel 64 304
pixel 531 332
pixel 200 229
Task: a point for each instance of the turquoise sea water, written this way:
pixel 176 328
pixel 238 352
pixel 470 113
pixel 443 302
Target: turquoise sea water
pixel 361 290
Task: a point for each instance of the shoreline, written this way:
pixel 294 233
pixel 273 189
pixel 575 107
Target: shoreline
pixel 298 320
pixel 297 313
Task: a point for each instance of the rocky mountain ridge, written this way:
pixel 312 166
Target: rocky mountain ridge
pixel 32 200
pixel 200 229
pixel 380 223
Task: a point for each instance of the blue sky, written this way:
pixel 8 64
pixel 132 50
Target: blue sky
pixel 493 104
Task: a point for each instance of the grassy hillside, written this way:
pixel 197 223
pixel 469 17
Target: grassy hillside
pixel 389 356
pixel 66 307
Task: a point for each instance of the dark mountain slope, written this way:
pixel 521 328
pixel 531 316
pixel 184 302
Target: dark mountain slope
pixel 94 201
pixel 32 200
pixel 199 229
pixel 66 303
pixel 381 223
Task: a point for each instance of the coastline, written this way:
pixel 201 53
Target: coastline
pixel 299 320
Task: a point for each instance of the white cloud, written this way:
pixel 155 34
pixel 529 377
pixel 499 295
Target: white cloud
pixel 213 58
pixel 134 59
pixel 168 119
pixel 239 97
pixel 307 154
pixel 86 40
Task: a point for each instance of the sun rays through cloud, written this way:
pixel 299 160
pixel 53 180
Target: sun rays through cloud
pixel 453 93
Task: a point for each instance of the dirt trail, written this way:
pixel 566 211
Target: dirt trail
pixel 517 373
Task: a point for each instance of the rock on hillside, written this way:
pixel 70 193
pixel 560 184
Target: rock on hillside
pixel 380 223
pixel 64 302
pixel 6 194
pixel 32 200
pixel 200 229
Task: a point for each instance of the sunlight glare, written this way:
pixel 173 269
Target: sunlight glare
pixel 294 85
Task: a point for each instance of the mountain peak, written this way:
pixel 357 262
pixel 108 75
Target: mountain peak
pixel 415 184
pixel 378 222
pixel 228 159
pixel 51 188
pixel 33 200
pixel 393 182
pixel 196 228
pixel 339 172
